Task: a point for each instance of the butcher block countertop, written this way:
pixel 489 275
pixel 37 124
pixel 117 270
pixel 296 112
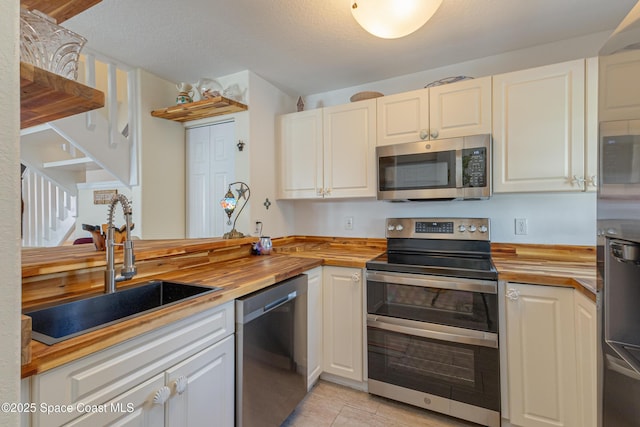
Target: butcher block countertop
pixel 70 272
pixel 236 277
pixel 556 265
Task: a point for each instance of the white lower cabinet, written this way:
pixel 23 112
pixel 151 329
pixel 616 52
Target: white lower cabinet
pixel 202 388
pixel 314 325
pixel 343 322
pixel 586 360
pixel 181 374
pixel 550 355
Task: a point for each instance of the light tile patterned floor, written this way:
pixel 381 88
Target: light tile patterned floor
pixel 329 404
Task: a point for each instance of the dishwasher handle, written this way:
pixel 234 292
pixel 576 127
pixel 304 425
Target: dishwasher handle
pixel 252 306
pixel 277 303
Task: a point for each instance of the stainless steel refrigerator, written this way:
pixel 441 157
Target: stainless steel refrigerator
pixel 619 225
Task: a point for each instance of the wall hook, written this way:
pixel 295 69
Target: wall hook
pixel 267 203
pixel 240 145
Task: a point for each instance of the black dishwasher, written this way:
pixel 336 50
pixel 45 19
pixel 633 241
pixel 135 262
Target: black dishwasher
pixel 271 353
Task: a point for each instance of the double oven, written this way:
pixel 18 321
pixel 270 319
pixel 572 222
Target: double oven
pixel 432 318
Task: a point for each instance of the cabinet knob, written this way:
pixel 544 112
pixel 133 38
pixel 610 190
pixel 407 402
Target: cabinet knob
pixel 513 294
pixel 161 396
pixel 320 192
pixel 355 277
pixel 424 134
pixel 434 134
pixel 180 384
pixel 327 191
pixel 577 180
pixel 592 181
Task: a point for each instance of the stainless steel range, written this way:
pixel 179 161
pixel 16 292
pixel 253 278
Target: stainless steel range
pixel 432 318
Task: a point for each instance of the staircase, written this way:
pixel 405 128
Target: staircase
pixel 61 154
pixel 49 215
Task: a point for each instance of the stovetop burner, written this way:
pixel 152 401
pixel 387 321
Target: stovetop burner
pixel 455 247
pixel 473 268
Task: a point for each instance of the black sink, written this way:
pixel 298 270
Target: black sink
pixel 58 323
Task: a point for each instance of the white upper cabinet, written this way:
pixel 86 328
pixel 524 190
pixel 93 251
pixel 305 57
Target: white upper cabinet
pixel 446 111
pixel 300 155
pixel 460 109
pixel 403 117
pixel 620 101
pixel 328 152
pixel 349 150
pixel 539 129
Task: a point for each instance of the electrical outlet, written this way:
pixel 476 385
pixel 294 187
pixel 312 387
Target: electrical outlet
pixel 258 230
pixel 348 223
pixel 521 226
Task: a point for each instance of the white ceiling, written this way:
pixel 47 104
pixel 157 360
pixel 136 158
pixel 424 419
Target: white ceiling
pixel 311 46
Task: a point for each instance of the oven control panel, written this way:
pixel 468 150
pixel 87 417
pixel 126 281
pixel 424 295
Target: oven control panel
pixel 438 228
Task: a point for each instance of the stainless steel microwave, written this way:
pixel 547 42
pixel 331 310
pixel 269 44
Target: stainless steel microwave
pixel 454 168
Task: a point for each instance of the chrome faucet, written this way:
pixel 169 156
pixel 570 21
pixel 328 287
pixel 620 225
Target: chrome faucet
pixel 128 267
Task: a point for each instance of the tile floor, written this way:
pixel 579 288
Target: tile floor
pixel 330 404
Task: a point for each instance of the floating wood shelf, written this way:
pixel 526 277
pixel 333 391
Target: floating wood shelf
pixel 60 10
pixel 45 96
pixel 199 110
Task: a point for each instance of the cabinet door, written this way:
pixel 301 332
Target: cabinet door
pixel 343 322
pixel 134 408
pixel 460 109
pixel 403 117
pixel 349 149
pixel 314 325
pixel 619 99
pixel 300 155
pixel 538 128
pixel 586 361
pixel 210 169
pixel 202 388
pixel 541 356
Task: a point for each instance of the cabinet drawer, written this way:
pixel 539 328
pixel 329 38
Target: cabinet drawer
pixel 132 408
pixel 102 376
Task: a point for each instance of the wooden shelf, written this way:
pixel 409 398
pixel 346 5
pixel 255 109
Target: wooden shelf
pixel 60 10
pixel 199 110
pixel 45 96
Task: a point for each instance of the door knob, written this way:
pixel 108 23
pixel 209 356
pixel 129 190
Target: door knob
pixel 161 396
pixel 513 294
pixel 180 384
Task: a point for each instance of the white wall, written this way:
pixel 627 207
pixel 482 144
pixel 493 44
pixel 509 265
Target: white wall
pixel 10 269
pixel 255 165
pixel 267 102
pixel 558 218
pixel 567 218
pixel 162 164
pixel 88 213
pixel 565 50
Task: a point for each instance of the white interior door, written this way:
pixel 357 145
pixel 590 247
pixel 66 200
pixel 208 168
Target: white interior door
pixel 210 169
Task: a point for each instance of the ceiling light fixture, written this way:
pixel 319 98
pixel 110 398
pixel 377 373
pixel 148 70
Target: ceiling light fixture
pixel 391 19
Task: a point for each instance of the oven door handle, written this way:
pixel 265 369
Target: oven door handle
pixel 433 331
pixel 440 282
